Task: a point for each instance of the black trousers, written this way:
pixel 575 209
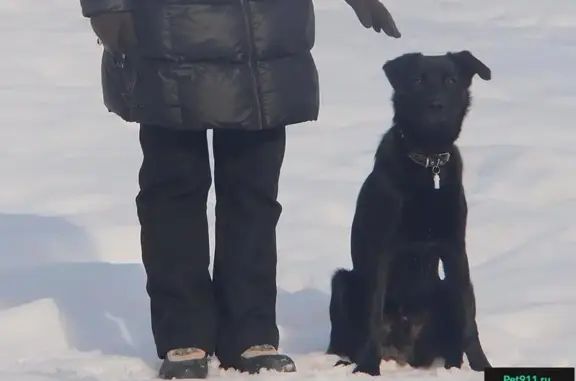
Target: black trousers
pixel 237 308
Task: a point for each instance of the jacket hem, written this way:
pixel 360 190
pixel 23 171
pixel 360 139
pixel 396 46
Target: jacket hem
pixel 92 8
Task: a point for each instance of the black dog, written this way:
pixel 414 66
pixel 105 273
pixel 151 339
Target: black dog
pixel 411 213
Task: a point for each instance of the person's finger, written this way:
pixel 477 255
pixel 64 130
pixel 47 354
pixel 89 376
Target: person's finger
pixel 383 20
pixel 362 12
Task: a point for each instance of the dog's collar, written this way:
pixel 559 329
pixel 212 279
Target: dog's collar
pixel 427 161
pixel 430 161
pixel 435 162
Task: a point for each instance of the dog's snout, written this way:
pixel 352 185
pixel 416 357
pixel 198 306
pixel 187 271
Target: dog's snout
pixel 436 104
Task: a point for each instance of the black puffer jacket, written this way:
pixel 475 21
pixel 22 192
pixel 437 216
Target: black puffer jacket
pixel 213 63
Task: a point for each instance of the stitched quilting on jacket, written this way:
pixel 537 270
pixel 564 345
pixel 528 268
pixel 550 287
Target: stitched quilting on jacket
pixel 198 64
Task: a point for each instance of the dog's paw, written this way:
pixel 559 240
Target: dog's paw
pixel 343 362
pixel 454 361
pixel 480 366
pixel 450 365
pixel 477 359
pixel 370 369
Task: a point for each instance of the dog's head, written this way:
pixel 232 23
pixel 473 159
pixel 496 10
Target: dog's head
pixel 431 93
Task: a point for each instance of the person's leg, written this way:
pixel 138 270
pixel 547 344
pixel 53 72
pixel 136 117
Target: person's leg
pixel 174 182
pixel 247 169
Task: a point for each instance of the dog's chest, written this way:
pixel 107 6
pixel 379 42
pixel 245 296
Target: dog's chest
pixel 428 217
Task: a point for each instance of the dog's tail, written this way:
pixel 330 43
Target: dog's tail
pixel 342 282
pixel 340 276
pixel 340 319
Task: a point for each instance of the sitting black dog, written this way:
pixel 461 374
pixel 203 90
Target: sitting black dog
pixel 411 214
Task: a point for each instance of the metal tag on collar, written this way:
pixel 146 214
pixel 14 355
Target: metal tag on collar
pixel 436 178
pixel 438 160
pixel 443 158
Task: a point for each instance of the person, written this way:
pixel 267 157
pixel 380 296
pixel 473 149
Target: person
pixel 243 69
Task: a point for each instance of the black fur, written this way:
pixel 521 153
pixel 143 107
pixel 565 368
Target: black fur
pixel 393 304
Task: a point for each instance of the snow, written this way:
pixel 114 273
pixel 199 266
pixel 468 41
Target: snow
pixel 72 299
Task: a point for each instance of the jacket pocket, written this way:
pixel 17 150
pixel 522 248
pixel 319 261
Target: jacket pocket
pixel 119 80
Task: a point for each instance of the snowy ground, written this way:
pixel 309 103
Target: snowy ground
pixel 72 301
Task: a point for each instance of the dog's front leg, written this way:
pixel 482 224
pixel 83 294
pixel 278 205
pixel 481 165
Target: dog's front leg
pixel 369 354
pixel 458 274
pixel 471 338
pixel 457 271
pixel 372 237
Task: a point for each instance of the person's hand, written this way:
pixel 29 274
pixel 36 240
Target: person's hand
pixel 115 30
pixel 373 14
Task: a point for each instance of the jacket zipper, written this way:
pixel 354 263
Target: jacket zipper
pixel 252 62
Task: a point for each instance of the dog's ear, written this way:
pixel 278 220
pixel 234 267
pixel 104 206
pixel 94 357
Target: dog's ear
pixel 471 65
pixel 398 69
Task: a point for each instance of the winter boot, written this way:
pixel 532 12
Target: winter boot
pixel 264 357
pixel 184 363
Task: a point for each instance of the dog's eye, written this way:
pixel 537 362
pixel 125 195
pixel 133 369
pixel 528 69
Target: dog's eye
pixel 450 81
pixel 418 80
